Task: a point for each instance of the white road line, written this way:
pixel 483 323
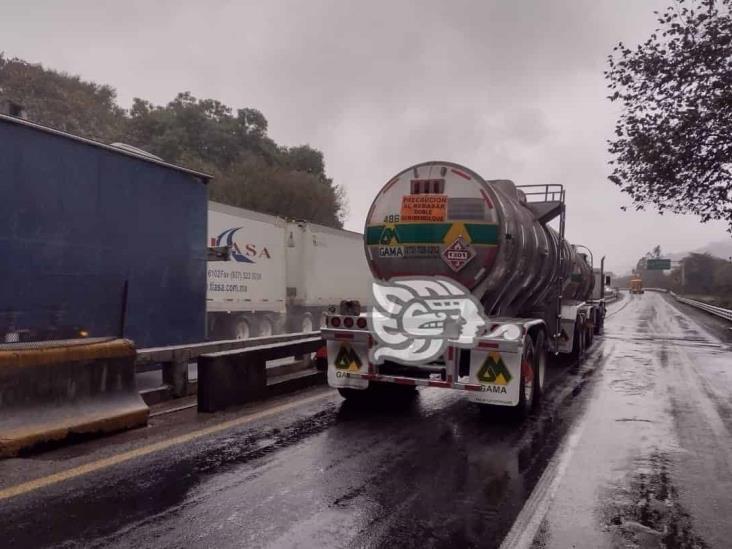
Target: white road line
pixel 529 520
pixel 527 523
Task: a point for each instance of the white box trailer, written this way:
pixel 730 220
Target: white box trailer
pixel 245 295
pixel 280 276
pixel 324 267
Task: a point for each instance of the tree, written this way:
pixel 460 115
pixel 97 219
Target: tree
pixel 673 141
pixel 699 273
pixel 250 170
pixel 304 159
pixel 62 101
pixel 202 131
pixel 254 184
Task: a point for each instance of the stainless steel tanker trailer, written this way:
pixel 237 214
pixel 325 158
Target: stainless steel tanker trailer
pixel 453 232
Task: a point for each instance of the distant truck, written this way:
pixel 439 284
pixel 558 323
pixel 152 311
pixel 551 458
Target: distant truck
pixel 279 276
pixel 636 286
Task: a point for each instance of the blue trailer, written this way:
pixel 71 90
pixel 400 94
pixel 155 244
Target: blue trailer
pixel 96 240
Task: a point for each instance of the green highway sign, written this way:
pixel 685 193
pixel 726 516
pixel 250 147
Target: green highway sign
pixel 658 264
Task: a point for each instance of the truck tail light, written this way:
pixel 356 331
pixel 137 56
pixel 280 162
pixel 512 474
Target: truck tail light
pixel 348 322
pixel 361 322
pixel 335 322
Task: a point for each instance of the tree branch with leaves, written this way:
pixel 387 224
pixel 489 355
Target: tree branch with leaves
pixel 673 140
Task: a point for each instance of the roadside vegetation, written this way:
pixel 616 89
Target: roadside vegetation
pixel 250 169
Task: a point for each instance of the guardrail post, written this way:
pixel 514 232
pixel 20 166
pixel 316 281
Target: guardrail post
pixel 175 375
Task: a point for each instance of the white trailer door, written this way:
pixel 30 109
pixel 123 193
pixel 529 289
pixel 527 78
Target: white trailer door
pixel 334 267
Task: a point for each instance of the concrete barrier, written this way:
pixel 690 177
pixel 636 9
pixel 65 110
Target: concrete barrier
pixel 231 378
pixel 59 390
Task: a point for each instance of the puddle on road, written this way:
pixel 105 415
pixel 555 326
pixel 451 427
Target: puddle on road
pixel 645 511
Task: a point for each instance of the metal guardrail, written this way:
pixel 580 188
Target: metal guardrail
pixel 174 360
pixel 149 359
pixel 711 309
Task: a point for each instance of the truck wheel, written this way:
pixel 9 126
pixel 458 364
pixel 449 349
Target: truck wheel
pixel 526 386
pixel 599 318
pixel 266 327
pixel 539 367
pixel 242 329
pixel 578 344
pixel 358 396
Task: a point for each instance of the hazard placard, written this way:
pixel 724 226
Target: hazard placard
pixel 424 207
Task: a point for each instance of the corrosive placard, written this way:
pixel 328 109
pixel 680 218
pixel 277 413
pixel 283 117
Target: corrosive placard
pixel 424 207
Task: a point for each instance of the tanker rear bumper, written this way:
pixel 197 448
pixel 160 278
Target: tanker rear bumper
pixel 491 372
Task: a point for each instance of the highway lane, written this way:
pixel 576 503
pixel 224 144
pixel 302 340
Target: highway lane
pixel 651 465
pixel 432 471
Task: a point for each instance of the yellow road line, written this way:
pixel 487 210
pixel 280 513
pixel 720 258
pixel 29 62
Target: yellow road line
pixel 105 463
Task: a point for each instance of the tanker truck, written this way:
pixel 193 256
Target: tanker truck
pixel 444 225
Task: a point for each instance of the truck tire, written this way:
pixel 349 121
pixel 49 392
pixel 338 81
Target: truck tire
pixel 526 383
pixel 265 327
pixel 601 322
pixel 597 328
pixel 539 367
pixel 578 341
pixel 358 397
pixel 242 329
pixel 354 395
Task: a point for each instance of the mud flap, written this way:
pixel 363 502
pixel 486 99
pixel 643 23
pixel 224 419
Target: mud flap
pixel 566 339
pixel 570 313
pixel 345 361
pixel 498 374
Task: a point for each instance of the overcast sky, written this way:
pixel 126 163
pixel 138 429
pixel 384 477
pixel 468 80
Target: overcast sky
pixel 512 89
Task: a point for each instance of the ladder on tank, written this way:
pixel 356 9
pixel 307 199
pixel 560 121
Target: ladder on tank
pixel 547 203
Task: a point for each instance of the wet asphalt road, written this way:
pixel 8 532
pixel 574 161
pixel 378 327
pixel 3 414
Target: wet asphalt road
pixel 431 472
pixel 652 463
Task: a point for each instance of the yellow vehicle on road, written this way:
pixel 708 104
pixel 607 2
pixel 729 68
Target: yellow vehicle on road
pixel 636 286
